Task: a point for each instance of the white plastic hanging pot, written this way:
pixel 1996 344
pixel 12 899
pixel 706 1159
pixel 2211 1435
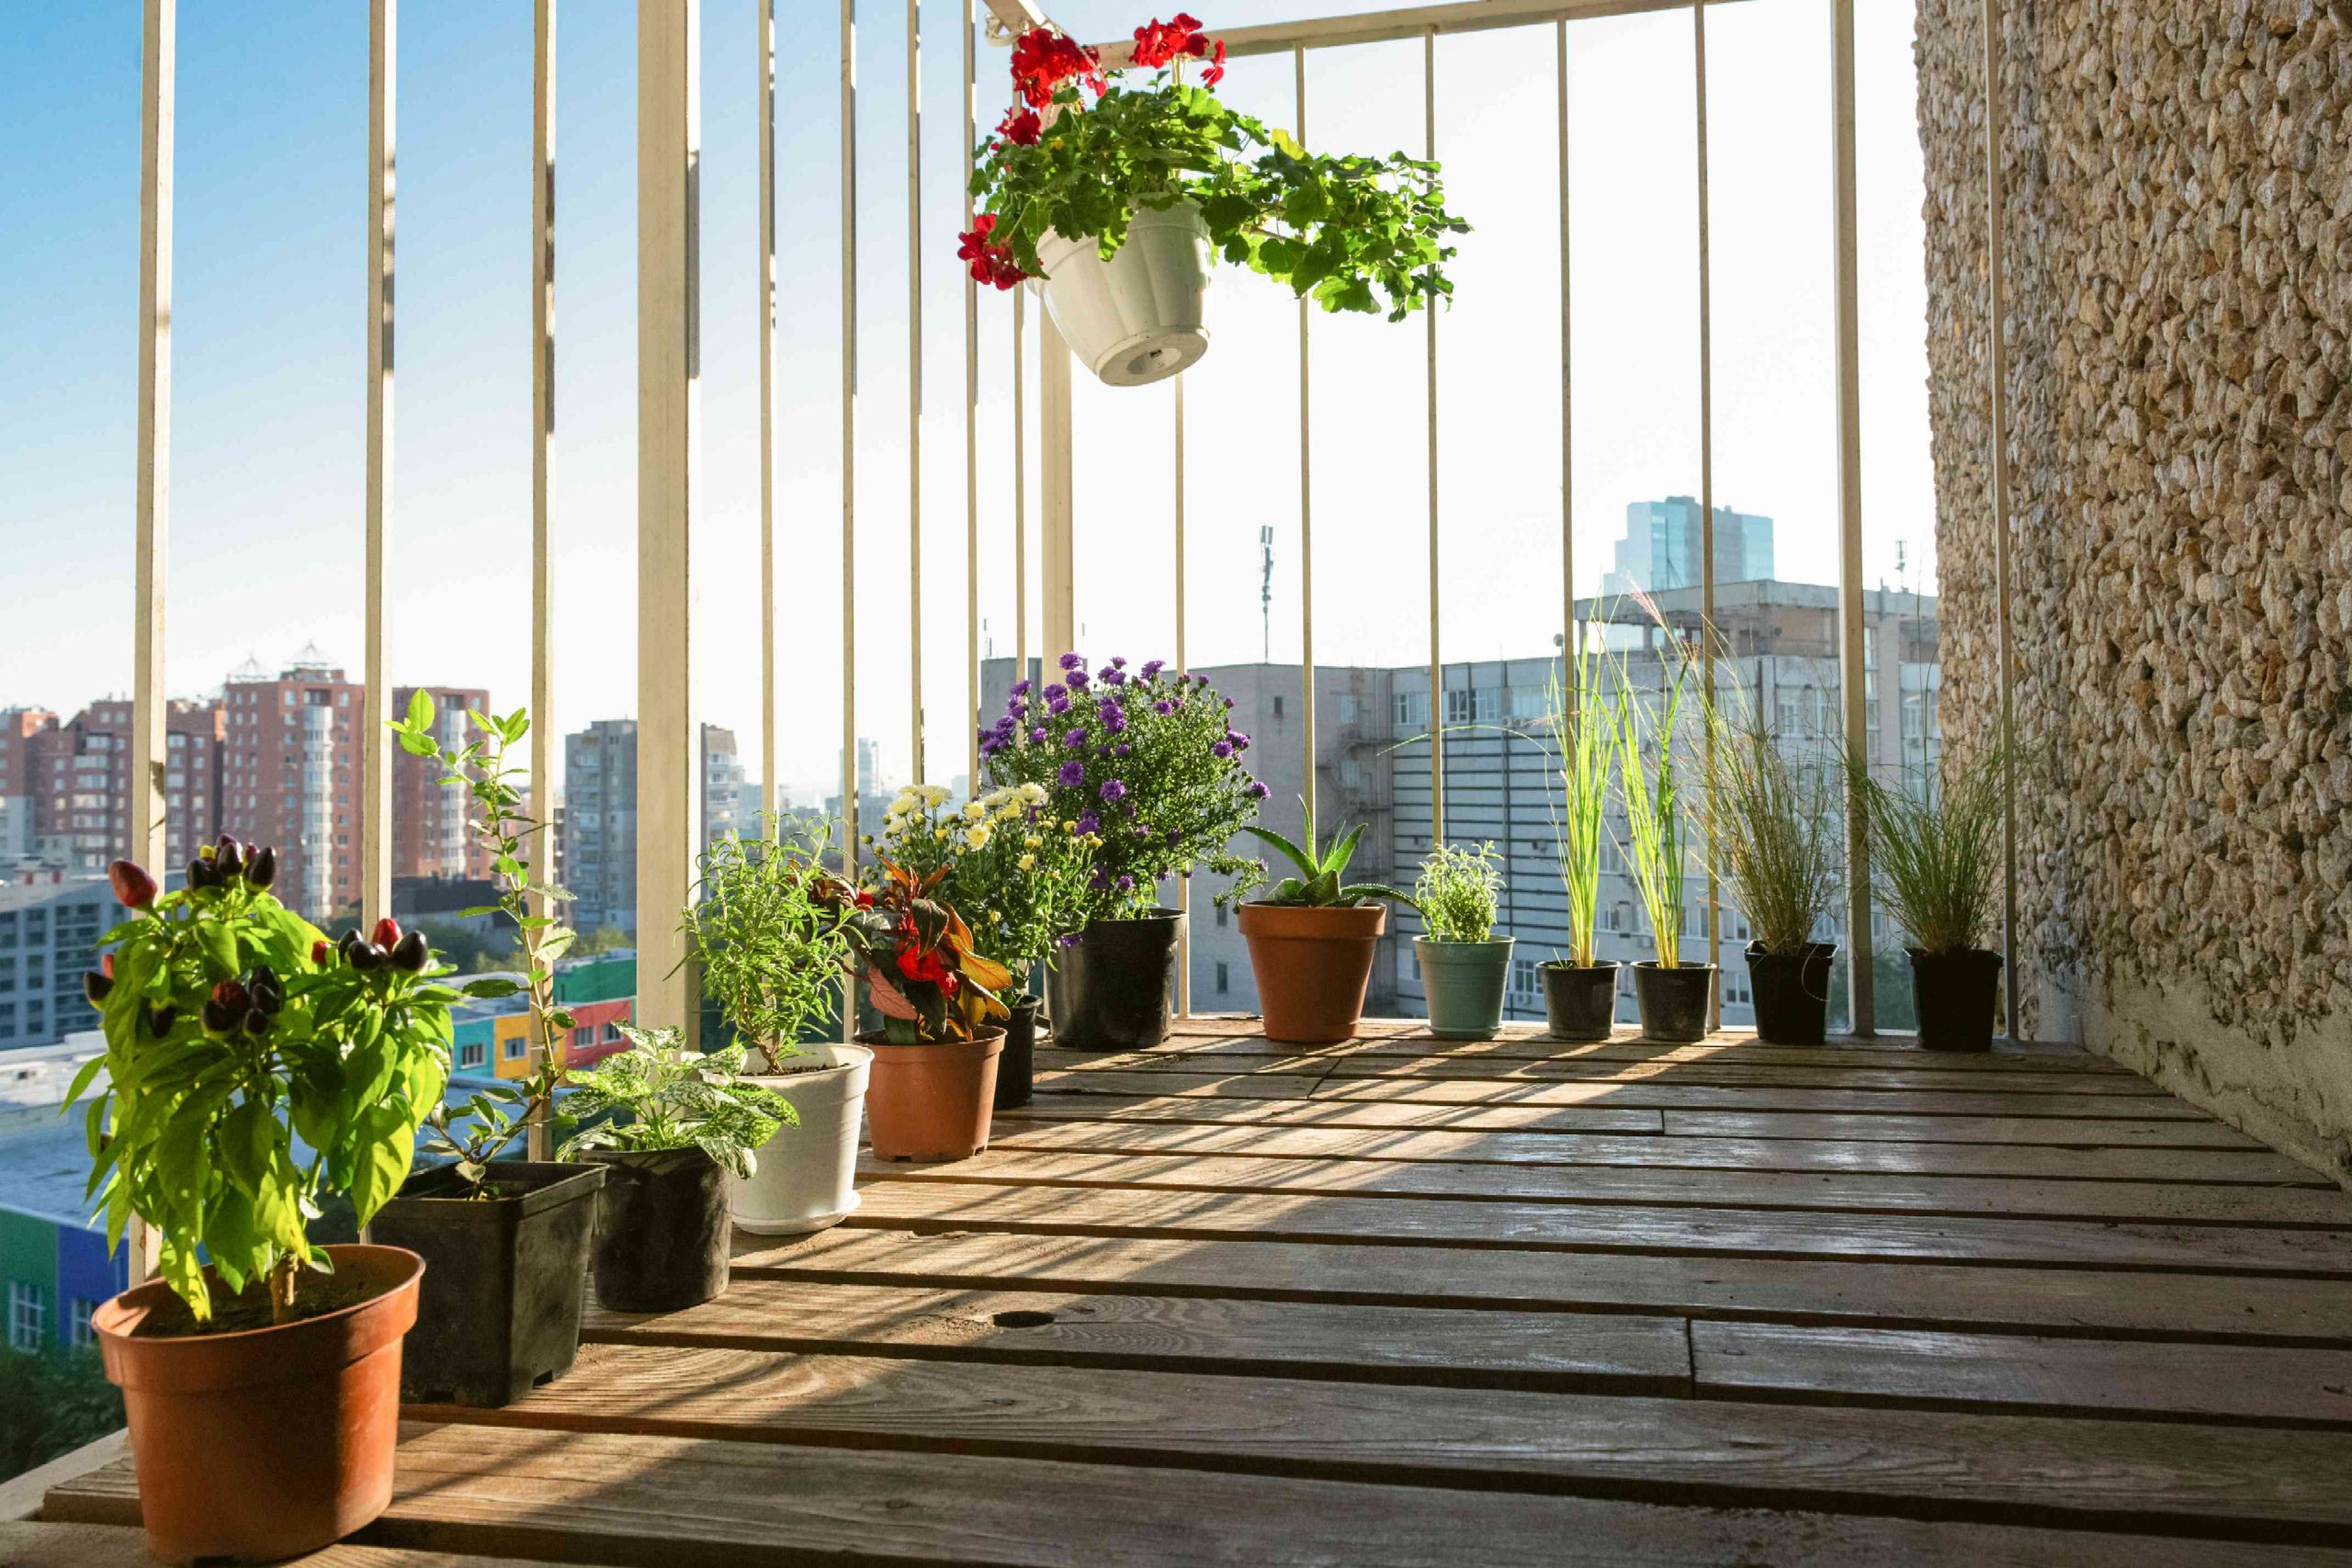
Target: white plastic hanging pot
pixel 1135 319
pixel 805 1179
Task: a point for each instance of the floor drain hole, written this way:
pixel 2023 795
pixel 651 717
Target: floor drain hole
pixel 1021 1319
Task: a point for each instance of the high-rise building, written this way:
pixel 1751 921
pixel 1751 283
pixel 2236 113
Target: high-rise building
pixel 598 847
pixel 49 934
pixel 429 834
pixel 1663 544
pixel 65 788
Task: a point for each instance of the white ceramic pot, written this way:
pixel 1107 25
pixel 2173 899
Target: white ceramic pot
pixel 1135 319
pixel 806 1178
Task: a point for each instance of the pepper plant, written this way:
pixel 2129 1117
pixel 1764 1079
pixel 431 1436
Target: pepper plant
pixel 500 825
pixel 1081 149
pixel 251 1067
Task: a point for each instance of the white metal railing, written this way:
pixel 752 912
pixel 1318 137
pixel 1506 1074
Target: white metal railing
pixel 669 86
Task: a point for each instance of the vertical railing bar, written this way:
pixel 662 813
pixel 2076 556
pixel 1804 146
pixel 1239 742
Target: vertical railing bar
pixel 1306 500
pixel 849 446
pixel 1859 956
pixel 669 765
pixel 150 744
pixel 1996 270
pixel 1707 521
pixel 1019 485
pixel 1057 485
pixel 1568 421
pixel 1437 667
pixel 763 58
pixel 538 1141
pixel 971 434
pixel 1183 882
pixel 914 385
pixel 375 739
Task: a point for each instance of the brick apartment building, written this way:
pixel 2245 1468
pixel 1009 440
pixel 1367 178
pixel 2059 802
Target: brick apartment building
pixel 65 786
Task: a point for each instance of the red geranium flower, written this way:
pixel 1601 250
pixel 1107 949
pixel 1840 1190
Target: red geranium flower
pixel 1044 60
pixel 1216 72
pixel 1157 42
pixel 990 262
pixel 1021 127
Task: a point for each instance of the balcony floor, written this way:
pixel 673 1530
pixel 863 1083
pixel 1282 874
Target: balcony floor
pixel 1516 1301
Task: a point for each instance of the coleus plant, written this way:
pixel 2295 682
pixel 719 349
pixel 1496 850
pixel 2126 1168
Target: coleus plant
pixel 1082 148
pixel 918 962
pixel 251 1067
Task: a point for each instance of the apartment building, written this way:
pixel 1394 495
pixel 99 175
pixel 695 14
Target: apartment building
pixel 597 846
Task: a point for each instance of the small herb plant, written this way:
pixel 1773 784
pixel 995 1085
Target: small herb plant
pixel 1937 853
pixel 1317 884
pixel 500 825
pixel 1657 823
pixel 1019 875
pixel 1779 835
pixel 917 959
pixel 1149 764
pixel 674 1100
pixel 1585 740
pixel 1457 893
pixel 768 932
pixel 1358 233
pixel 234 1028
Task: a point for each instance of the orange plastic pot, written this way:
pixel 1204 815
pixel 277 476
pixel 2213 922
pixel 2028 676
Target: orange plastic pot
pixel 931 1101
pixel 1312 966
pixel 268 1443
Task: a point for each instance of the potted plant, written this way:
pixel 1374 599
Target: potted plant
pixel 1780 840
pixel 505 1241
pixel 251 1071
pixel 935 1056
pixel 661 1236
pixel 1017 875
pixel 1580 990
pixel 1466 967
pixel 1150 765
pixel 1672 996
pixel 1938 859
pixel 1312 940
pixel 767 932
pixel 1120 195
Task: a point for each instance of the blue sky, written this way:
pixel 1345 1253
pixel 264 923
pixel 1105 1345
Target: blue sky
pixel 267 351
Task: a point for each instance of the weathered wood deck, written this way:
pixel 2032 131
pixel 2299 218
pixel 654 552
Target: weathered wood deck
pixel 1514 1303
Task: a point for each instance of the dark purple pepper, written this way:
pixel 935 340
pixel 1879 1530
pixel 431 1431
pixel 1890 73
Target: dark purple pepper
pixel 367 955
pixel 261 866
pixel 200 874
pixel 95 986
pixel 268 992
pixel 218 1018
pixel 160 1019
pixel 349 941
pixel 411 953
pixel 257 1024
pixel 226 860
pixel 233 995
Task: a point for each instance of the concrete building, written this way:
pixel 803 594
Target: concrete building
pixel 429 834
pixel 65 786
pixel 48 934
pixel 597 843
pixel 1661 547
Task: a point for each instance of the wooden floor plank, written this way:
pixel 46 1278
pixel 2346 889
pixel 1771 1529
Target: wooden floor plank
pixel 1522 1041
pixel 1227 1337
pixel 2232 1481
pixel 2253 1383
pixel 2101 1133
pixel 29 1544
pixel 1652 1094
pixel 2176 1170
pixel 1920 1295
pixel 643 1502
pixel 1025 1164
pixel 1696 1233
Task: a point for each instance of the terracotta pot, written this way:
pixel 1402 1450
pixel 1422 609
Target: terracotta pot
pixel 1312 967
pixel 932 1102
pixel 268 1443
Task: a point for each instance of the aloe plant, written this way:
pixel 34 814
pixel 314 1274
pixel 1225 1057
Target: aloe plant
pixel 1317 884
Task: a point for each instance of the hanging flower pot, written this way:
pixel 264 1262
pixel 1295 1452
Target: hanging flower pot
pixel 1119 186
pixel 1135 318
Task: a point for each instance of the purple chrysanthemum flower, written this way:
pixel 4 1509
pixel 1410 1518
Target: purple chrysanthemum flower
pixel 1117 662
pixel 1126 884
pixel 1078 679
pixel 1054 690
pixel 1229 704
pixel 1152 667
pixel 1037 736
pixel 1073 772
pixel 1021 687
pixel 1075 738
pixel 1163 707
pixel 1121 749
pixel 1089 823
pixel 990 745
pixel 1111 677
pixel 1073 661
pixel 1114 789
pixel 1058 705
pixel 1200 680
pixel 1222 749
pixel 1240 742
pixel 1256 790
pixel 1068 939
pixel 1113 717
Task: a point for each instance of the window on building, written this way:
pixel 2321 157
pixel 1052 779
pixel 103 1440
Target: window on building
pixel 583 1037
pixel 77 1322
pixel 473 1054
pixel 1526 981
pixel 1278 705
pixel 515 1046
pixel 1224 979
pixel 1410 710
pixel 28 1315
pixel 612 1032
pixel 1220 917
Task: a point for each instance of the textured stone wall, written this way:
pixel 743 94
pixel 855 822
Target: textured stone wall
pixel 2179 232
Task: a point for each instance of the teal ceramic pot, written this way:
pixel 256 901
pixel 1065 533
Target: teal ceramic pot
pixel 1464 983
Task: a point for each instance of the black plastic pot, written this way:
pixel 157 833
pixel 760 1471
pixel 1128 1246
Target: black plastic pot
pixel 1580 1003
pixel 1017 1065
pixel 661 1230
pixel 1673 1001
pixel 1115 990
pixel 499 1313
pixel 1792 993
pixel 1957 994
